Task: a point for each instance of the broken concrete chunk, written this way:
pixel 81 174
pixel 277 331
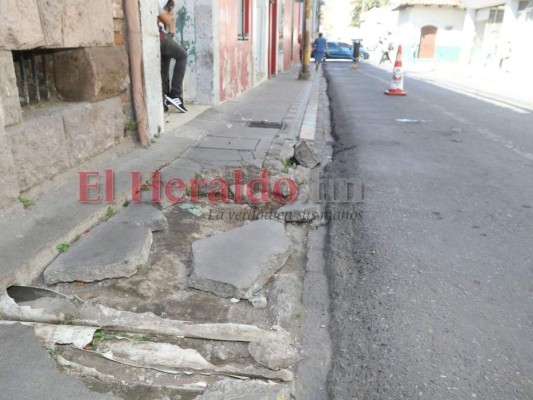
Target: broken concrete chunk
pixel 286 151
pixel 284 298
pixel 300 175
pixel 239 262
pixel 274 354
pixel 300 212
pixel 160 356
pixel 306 154
pixel 142 215
pixel 250 390
pixel 108 251
pixel 258 301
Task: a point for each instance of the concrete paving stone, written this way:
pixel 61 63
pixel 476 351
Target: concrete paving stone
pixel 250 390
pixel 229 143
pixel 274 354
pixel 142 215
pixel 238 263
pixel 108 251
pixel 28 372
pixel 300 211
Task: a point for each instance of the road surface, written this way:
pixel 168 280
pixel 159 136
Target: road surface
pixel 432 290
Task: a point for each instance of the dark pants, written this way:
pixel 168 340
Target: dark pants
pixel 171 49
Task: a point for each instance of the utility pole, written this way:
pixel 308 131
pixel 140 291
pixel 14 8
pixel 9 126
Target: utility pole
pixel 306 41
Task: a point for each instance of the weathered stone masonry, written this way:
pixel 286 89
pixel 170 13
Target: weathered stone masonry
pixel 88 71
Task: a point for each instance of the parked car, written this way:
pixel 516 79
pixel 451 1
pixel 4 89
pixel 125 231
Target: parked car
pixel 363 54
pixel 342 51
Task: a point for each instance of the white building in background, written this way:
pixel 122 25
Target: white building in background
pixel 492 27
pixel 430 29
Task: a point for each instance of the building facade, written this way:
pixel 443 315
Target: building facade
pixel 78 77
pixel 498 28
pixel 431 29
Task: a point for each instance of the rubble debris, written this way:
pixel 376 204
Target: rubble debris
pixel 258 301
pixel 274 354
pixel 306 154
pixel 29 304
pixel 286 151
pixel 238 263
pixel 50 335
pixel 160 356
pixel 108 251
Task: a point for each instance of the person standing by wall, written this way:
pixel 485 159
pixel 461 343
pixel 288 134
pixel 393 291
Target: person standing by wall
pixel 321 47
pixel 505 55
pixel 170 49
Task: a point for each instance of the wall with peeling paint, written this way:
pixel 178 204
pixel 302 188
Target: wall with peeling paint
pixel 206 51
pixel 186 36
pixel 235 56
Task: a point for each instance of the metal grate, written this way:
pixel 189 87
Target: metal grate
pixel 265 124
pixel 32 75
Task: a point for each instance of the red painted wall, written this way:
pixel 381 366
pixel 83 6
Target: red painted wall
pixel 236 56
pixel 291 30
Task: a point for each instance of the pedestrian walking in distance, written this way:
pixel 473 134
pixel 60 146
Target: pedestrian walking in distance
pixel 385 50
pixel 170 49
pixel 321 47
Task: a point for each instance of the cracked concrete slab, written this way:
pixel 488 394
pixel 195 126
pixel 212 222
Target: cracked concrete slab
pixel 108 251
pixel 142 215
pixel 238 263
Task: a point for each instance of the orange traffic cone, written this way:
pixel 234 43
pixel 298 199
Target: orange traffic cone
pixel 396 84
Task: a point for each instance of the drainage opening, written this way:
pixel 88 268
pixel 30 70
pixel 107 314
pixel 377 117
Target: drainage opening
pixel 265 124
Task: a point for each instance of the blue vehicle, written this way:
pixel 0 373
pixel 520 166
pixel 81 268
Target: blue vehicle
pixel 342 51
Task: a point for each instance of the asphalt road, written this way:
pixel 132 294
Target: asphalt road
pixel 432 290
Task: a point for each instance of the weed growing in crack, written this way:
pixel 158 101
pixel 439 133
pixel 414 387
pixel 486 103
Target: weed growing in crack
pixel 63 247
pixel 26 202
pixel 110 212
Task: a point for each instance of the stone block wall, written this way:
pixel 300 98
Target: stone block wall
pixel 91 74
pixel 9 94
pixel 52 141
pixel 90 77
pixel 30 24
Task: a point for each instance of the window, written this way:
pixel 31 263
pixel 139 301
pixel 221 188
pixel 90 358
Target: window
pixel 525 4
pixel 496 16
pixel 243 20
pixel 33 69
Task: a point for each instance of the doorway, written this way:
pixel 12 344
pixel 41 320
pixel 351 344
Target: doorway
pixel 273 36
pixel 428 38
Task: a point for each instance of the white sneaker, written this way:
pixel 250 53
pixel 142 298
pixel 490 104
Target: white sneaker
pixel 176 102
